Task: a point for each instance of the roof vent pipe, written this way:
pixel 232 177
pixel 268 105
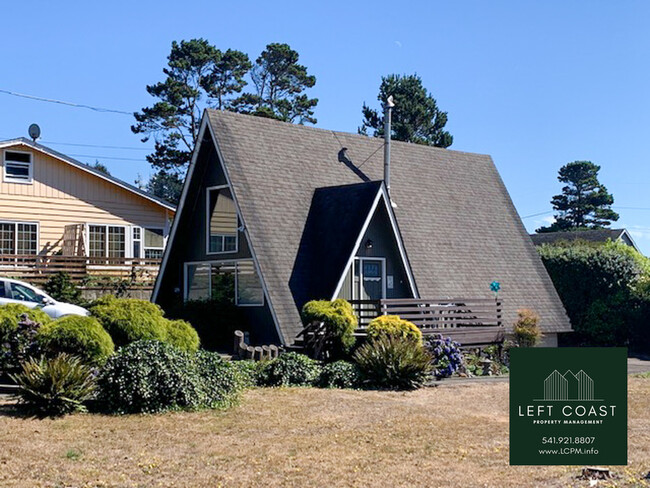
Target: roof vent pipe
pixel 388 108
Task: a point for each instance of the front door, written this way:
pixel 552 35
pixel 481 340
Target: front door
pixel 369 279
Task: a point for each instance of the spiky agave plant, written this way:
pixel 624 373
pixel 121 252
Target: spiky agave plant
pixel 56 386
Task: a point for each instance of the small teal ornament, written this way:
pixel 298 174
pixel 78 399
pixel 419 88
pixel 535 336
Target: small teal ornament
pixel 495 286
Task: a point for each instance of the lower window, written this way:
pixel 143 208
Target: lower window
pixel 224 281
pixel 18 238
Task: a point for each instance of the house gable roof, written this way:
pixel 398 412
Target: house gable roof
pixel 590 235
pixel 455 216
pixel 88 169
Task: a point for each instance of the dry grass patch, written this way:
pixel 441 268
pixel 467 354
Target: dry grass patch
pixel 456 436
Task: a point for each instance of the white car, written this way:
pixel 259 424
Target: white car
pixel 14 291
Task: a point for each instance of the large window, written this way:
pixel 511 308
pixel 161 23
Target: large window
pixel 18 167
pixel 106 241
pixel 224 281
pixel 222 221
pixel 18 238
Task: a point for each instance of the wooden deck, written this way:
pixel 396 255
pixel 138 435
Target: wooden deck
pixel 37 269
pixel 470 321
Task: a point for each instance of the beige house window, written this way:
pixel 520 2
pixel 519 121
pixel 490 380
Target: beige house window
pixel 106 241
pixel 18 167
pixel 222 221
pixel 18 238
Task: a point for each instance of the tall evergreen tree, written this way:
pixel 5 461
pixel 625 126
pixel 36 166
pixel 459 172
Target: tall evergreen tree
pixel 415 118
pixel 198 75
pixel 280 82
pixel 584 202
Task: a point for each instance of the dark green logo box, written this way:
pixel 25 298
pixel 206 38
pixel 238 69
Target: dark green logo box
pixel 568 406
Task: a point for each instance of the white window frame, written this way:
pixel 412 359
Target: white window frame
pixel 224 261
pixel 128 245
pixel 134 240
pixel 15 223
pixel 358 261
pixel 144 248
pixel 207 222
pixel 30 168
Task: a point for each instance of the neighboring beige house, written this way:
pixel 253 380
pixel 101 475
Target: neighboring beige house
pixel 53 204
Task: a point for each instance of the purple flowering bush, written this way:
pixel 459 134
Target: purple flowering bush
pixel 447 357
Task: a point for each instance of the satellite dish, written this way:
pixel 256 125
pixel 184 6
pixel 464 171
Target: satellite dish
pixel 34 132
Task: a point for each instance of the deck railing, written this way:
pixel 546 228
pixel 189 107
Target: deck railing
pixel 470 321
pixel 37 268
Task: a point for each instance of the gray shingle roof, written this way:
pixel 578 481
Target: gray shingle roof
pixel 592 235
pixel 459 226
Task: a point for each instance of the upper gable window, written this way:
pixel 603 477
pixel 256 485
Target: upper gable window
pixel 221 221
pixel 18 167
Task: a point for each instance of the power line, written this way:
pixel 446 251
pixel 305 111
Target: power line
pixel 69 104
pixel 106 157
pixel 99 146
pixel 537 214
pixel 613 206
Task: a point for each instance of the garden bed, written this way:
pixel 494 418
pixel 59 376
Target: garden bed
pixel 300 437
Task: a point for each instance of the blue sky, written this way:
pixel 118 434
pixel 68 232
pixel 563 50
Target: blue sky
pixel 534 84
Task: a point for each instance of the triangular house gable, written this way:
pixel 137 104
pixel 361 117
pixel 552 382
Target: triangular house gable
pixel 455 216
pixel 337 225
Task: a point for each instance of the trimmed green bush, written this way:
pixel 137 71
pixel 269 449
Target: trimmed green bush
pixel 128 320
pixel 290 369
pixel 340 374
pixel 149 376
pixel 55 386
pixel 10 315
pixel 394 326
pixel 526 331
pixel 340 324
pixel 79 336
pixel 182 335
pixel 393 362
pixel 18 340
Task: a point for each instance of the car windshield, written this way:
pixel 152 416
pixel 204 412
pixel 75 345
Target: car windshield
pixel 24 293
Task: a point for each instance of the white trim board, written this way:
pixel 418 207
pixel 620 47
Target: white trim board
pixel 381 195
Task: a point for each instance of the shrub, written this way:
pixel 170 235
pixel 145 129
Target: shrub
pixel 526 331
pixel 585 274
pixel 10 315
pixel 249 372
pixel 290 369
pixel 340 324
pixel 79 336
pixel 182 335
pixel 61 288
pixel 393 362
pixel 393 326
pixel 446 354
pixel 18 328
pixel 340 374
pixel 150 376
pixel 128 320
pixel 55 386
pixel 221 380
